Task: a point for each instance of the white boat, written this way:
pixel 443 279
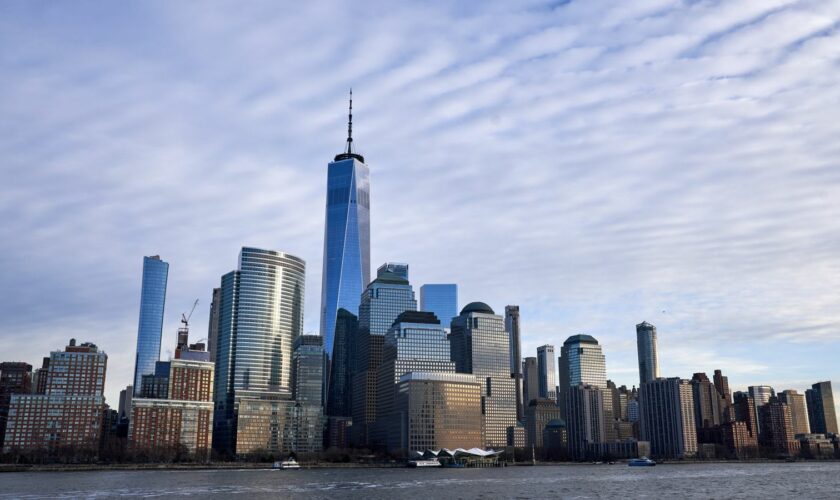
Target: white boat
pixel 291 463
pixel 432 462
pixel 641 462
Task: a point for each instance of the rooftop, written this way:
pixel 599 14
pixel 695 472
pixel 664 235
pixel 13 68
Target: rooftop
pixel 580 339
pixel 477 307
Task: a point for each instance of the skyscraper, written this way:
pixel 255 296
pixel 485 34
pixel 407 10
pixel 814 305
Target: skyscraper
pixel 722 387
pixel 512 327
pixel 530 381
pixel 761 395
pixel 821 413
pixel 260 316
pixel 646 347
pixel 545 366
pixel 152 302
pixel 667 418
pixel 777 427
pixel 341 371
pixel 15 378
pixel 706 402
pixel 441 299
pixel 582 362
pixel 585 418
pixel 308 381
pixel 346 236
pixel 480 346
pixel 798 410
pixel 398 268
pixel 213 324
pixel 384 299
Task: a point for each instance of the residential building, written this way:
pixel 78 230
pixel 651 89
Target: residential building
pixel 260 316
pixel 480 346
pixel 15 378
pixel 440 299
pixel 777 428
pixel 585 419
pixel 744 409
pixel 150 329
pixel 761 395
pixel 821 413
pixel 213 324
pixel 547 378
pixel 706 402
pixel 667 417
pixel 798 410
pixel 515 341
pixel 721 383
pixel 538 414
pixel 646 347
pixel 530 381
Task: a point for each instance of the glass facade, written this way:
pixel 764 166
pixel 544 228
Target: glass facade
pixel 260 316
pixel 545 366
pixel 346 269
pixel 309 370
pixel 646 347
pixel 822 416
pixel 152 302
pixel 341 371
pixel 441 299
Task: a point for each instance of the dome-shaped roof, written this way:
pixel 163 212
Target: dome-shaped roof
pixel 556 422
pixel 477 307
pixel 580 339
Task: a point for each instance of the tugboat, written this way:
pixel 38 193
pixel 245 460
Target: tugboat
pixel 291 463
pixel 641 462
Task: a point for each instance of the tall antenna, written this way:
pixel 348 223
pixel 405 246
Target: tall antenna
pixel 350 125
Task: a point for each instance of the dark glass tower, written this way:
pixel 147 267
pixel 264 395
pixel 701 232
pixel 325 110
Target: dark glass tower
pixel 152 302
pixel 346 236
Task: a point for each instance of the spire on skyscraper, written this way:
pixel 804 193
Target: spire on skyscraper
pixel 348 151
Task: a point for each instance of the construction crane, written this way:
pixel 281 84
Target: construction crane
pixel 184 331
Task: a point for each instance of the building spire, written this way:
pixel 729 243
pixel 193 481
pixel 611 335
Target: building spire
pixel 348 151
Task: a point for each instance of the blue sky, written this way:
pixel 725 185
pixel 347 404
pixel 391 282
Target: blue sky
pixel 598 163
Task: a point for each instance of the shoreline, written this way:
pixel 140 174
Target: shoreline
pixel 10 468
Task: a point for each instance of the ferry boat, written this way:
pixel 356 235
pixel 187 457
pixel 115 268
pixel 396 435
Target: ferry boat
pixel 432 462
pixel 291 463
pixel 641 462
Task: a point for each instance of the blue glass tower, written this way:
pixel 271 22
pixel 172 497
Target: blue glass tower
pixel 441 299
pixel 152 301
pixel 346 236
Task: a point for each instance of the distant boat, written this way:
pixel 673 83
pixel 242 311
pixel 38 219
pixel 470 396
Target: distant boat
pixel 286 464
pixel 641 462
pixel 432 462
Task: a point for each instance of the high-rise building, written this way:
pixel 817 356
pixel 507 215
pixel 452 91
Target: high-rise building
pixel 798 410
pixel 480 346
pixel 398 268
pixel 515 340
pixel 821 413
pixel 346 269
pixel 582 362
pixel 385 298
pixel 15 378
pixel 530 381
pixel 308 384
pixel 415 343
pixel 777 427
pixel 456 418
pixel 341 370
pixel 646 346
pixel 538 414
pixel 260 316
pixel 744 411
pixel 152 302
pixel 706 402
pixel 124 407
pixel 725 397
pixel 39 377
pixel 761 395
pixel 667 417
pixel 545 366
pixel 441 299
pixel 213 324
pixel 585 419
pixel 70 412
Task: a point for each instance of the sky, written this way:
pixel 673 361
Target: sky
pixel 597 163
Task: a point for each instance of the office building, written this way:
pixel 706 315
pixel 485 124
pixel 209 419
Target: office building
pixel 480 346
pixel 260 316
pixel 585 419
pixel 308 384
pixel 346 269
pixel 385 298
pixel 415 343
pixel 582 362
pixel 646 347
pixel 213 324
pixel 777 428
pixel 707 403
pixel 760 395
pixel 150 329
pixel 798 410
pixel 398 268
pixel 744 411
pixel 667 417
pixel 721 383
pixel 440 299
pixel 69 414
pixel 341 370
pixel 547 377
pixel 515 340
pixel 538 414
pixel 15 378
pixel 456 421
pixel 530 380
pixel 822 416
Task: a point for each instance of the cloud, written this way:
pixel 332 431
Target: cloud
pixel 599 163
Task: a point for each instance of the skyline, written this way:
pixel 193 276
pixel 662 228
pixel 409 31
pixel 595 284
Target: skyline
pixel 117 153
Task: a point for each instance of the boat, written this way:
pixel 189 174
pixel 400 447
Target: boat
pixel 641 462
pixel 431 462
pixel 291 463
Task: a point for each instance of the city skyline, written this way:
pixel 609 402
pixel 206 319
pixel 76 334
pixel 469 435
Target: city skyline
pixel 764 309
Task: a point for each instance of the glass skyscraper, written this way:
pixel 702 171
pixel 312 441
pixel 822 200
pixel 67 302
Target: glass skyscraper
pixel 646 348
pixel 582 362
pixel 441 299
pixel 545 366
pixel 260 316
pixel 346 269
pixel 152 302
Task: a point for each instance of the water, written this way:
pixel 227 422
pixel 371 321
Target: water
pixel 781 480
